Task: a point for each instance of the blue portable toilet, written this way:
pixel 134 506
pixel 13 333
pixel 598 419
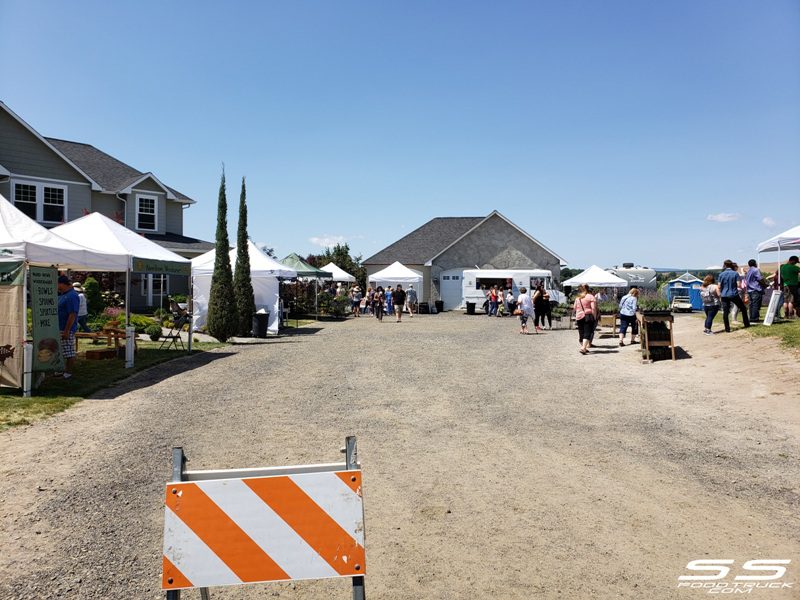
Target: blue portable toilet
pixel 686 285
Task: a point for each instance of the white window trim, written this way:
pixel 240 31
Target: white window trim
pixel 154 198
pixel 40 185
pixel 147 283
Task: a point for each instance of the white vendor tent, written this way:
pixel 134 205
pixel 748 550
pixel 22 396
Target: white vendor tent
pixel 22 238
pixel 596 277
pixel 786 241
pixel 337 273
pixel 265 273
pixel 396 273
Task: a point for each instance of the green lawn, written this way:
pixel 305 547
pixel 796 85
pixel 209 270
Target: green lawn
pixel 57 394
pixel 788 331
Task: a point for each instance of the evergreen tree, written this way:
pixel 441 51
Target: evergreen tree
pixel 222 303
pixel 242 285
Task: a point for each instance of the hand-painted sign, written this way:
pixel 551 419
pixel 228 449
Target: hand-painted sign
pixel 160 267
pixel 44 314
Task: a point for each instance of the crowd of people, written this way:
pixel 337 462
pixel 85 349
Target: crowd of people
pixel 380 301
pixel 500 302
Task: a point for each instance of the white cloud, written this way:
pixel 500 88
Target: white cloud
pixel 768 221
pixel 724 217
pixel 327 241
pixel 714 268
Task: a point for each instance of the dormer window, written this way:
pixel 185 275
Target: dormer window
pixel 146 212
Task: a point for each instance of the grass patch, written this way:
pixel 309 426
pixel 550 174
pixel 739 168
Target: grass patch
pixel 56 394
pixel 787 331
pixel 292 324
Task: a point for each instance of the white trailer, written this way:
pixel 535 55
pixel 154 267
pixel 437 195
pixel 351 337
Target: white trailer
pixel 475 282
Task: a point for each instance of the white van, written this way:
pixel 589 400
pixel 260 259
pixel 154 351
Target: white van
pixel 475 282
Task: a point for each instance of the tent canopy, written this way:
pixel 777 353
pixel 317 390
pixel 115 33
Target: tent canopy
pixel 597 277
pixel 304 269
pixel 338 274
pixel 105 235
pixel 261 265
pixel 395 273
pixel 22 238
pixel 788 240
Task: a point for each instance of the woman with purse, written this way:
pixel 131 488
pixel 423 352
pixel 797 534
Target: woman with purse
pixel 586 313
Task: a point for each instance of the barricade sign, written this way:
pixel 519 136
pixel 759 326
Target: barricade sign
pixel 261 525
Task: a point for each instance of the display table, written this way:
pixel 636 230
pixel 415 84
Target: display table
pixel 655 333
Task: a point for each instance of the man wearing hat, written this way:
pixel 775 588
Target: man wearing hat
pixel 83 311
pixel 68 306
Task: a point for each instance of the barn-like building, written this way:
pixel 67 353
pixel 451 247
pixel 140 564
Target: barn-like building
pixel 444 247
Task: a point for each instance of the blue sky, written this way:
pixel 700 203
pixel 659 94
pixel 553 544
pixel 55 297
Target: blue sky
pixel 665 133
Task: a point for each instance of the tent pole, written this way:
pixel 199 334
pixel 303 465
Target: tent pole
pixel 27 353
pixel 190 309
pixel 316 298
pixel 130 331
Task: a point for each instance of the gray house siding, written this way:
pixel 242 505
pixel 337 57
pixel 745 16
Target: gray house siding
pixel 23 153
pixel 148 185
pixel 5 189
pixel 498 245
pixel 107 205
pixel 174 217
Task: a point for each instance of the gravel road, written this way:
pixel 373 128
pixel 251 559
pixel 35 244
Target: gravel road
pixel 496 465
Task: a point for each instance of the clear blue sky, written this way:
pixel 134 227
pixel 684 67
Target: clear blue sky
pixel 665 133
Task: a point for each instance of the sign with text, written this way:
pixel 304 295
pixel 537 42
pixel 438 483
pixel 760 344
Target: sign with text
pixel 12 331
pixel 44 314
pixel 161 267
pixel 772 309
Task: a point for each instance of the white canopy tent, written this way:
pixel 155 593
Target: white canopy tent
pixel 788 240
pixel 265 273
pixel 22 238
pixel 338 274
pixel 396 273
pixel 596 277
pixel 143 255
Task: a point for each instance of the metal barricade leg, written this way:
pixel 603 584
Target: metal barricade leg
pixel 351 459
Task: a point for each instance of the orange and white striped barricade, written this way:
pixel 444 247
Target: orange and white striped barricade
pixel 243 526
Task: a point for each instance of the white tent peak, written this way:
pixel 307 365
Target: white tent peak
pixel 260 263
pixel 597 277
pixel 338 273
pixel 396 272
pixel 22 238
pixel 107 235
pixel 788 240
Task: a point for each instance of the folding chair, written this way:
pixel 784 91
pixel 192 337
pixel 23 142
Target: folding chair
pixel 180 317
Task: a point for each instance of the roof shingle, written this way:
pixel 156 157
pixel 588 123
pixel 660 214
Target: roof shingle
pixel 425 242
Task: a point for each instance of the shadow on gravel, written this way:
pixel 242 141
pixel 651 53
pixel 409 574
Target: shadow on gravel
pixel 302 331
pixel 159 373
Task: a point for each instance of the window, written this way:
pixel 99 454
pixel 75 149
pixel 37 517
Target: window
pixel 157 281
pixel 146 212
pixel 25 198
pixel 445 277
pixel 456 277
pixel 44 202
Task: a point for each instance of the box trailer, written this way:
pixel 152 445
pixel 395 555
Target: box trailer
pixel 475 283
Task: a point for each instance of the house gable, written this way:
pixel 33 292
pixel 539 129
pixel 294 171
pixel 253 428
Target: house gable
pixel 24 152
pixel 426 241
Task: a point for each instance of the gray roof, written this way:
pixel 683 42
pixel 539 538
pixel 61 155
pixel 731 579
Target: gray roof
pixel 112 174
pixel 422 244
pixel 180 243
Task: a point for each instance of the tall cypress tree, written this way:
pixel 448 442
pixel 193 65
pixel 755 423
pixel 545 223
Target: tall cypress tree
pixel 222 304
pixel 242 285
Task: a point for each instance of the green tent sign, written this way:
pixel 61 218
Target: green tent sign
pixel 44 314
pixel 161 267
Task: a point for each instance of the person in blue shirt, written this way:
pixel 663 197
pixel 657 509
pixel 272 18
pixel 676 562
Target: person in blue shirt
pixel 755 290
pixel 627 315
pixel 729 294
pixel 68 306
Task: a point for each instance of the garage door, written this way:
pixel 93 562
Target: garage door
pixel 450 286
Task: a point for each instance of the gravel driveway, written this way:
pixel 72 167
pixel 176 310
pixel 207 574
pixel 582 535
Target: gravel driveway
pixel 496 465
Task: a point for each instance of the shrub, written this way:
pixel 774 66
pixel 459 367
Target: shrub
pixel 141 323
pixel 112 299
pixel 94 299
pixel 179 298
pixel 154 331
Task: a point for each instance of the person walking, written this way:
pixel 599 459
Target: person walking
pixel 709 294
pixel 790 275
pixel 755 285
pixel 586 313
pixel 539 306
pixel 729 293
pixel 411 300
pixel 388 296
pixel 493 301
pixel 627 315
pixel 525 308
pixel 83 311
pixel 68 307
pixel 377 303
pixel 399 299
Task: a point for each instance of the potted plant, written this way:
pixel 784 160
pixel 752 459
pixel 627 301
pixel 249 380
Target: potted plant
pixel 154 331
